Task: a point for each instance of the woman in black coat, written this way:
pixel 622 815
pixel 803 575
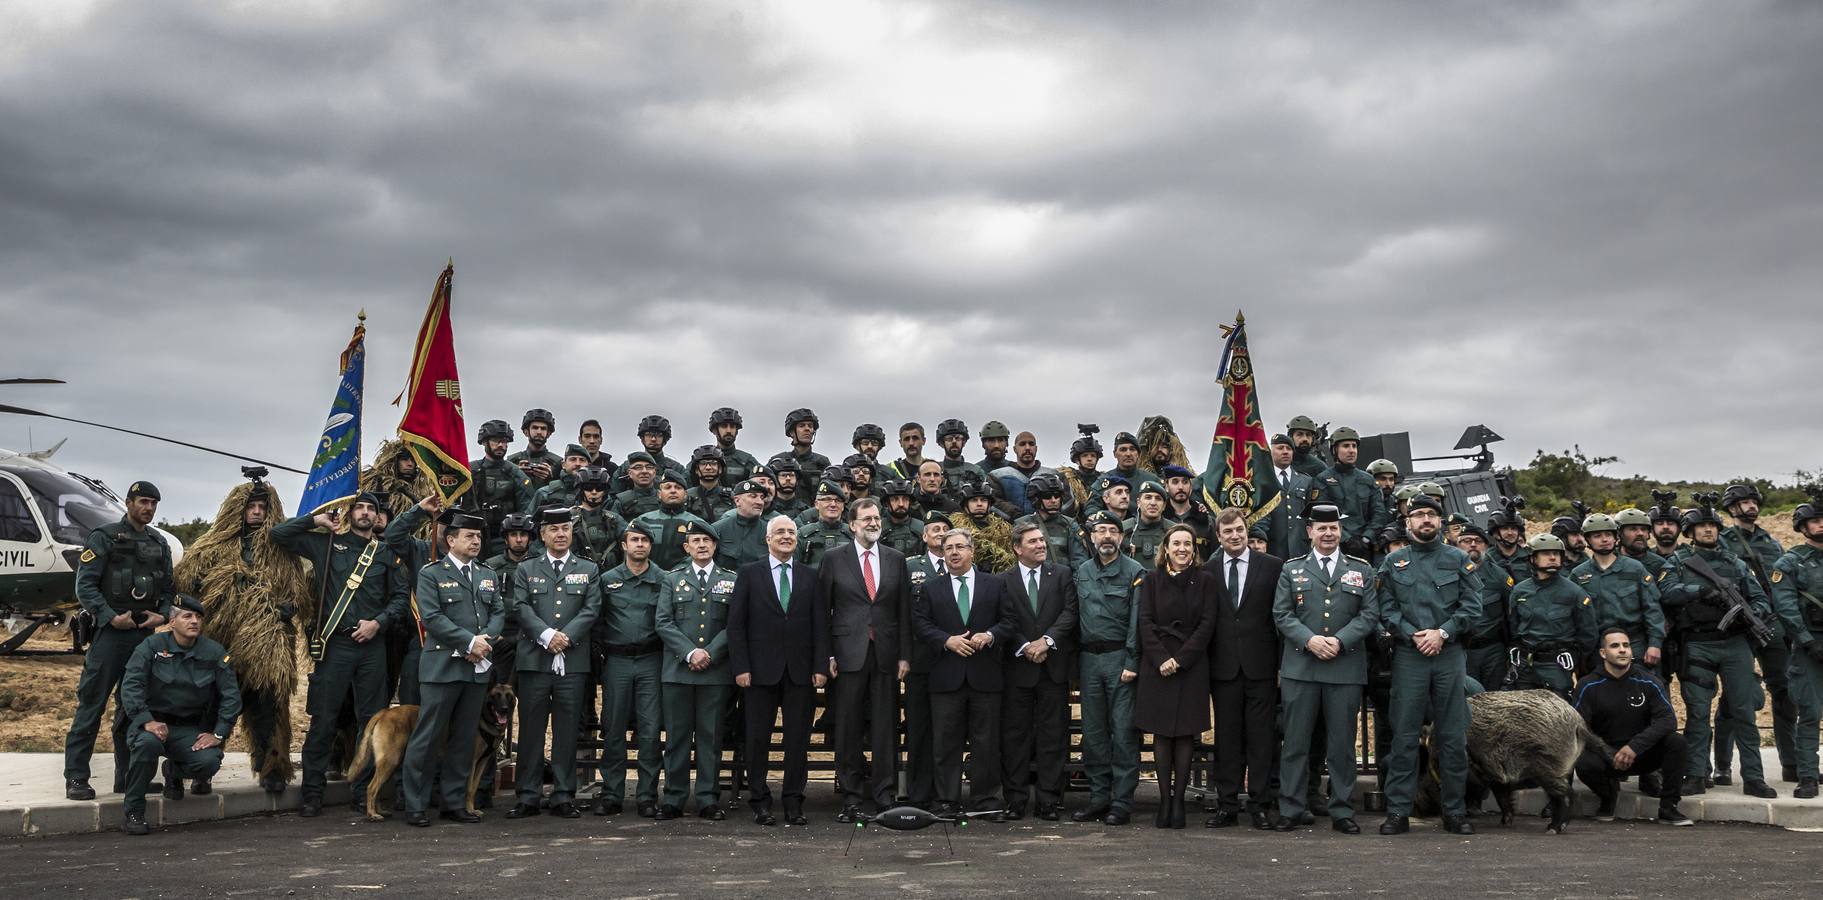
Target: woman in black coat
pixel 1176 618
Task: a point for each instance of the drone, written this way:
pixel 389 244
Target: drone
pixel 911 818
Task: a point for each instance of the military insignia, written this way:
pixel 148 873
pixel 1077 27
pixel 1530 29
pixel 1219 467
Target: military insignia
pixel 1353 579
pixel 1136 581
pixel 1402 563
pixel 616 585
pixel 448 585
pixel 1586 601
pixel 683 585
pixel 88 556
pixel 225 658
pixel 1777 576
pixel 164 654
pixel 487 584
pixel 682 528
pixel 723 587
pixel 576 578
pixel 1510 581
pixel 1469 568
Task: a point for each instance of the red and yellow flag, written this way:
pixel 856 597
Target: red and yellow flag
pixel 1240 457
pixel 432 426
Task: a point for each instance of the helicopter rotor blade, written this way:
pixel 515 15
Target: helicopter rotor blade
pixel 32 381
pixel 21 411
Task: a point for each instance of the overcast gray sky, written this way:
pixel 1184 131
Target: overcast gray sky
pixel 1590 223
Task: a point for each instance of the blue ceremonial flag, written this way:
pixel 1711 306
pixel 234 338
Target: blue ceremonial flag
pixel 335 472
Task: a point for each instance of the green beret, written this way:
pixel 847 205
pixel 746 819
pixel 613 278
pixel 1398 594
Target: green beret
pixel 185 601
pixel 672 476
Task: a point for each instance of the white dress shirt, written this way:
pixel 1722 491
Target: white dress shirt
pixel 544 638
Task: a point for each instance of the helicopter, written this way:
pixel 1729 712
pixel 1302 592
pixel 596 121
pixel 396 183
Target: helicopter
pixel 46 514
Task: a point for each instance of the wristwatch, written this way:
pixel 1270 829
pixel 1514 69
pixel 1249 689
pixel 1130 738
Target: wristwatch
pixel 1050 643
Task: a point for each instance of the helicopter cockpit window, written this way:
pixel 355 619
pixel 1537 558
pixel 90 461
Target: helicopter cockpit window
pixel 70 508
pixel 16 521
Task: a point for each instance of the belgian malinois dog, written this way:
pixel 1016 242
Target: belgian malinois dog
pixel 383 744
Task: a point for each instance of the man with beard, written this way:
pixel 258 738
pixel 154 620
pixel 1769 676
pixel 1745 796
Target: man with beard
pixel 1554 623
pixel 860 477
pixel 903 531
pixel 933 489
pixel 252 590
pixel 1353 491
pixel 1146 531
pixel 1759 550
pixel 556 598
pixel 1629 709
pixel 361 590
pixel 395 475
pixel 868 439
pixel 561 491
pixel 1061 534
pixel 1507 528
pixel 801 427
pixel 1304 456
pixel 737 464
pixel 787 499
pixel 1636 539
pixel 1667 527
pixel 1626 595
pixel 499 486
pixel 1488 637
pixel 598 528
pixel 589 436
pixel 1285 526
pixel 640 495
pixel 994 438
pixel 1126 468
pixel 741 534
pixel 993 535
pixel 1085 456
pixel 1797 595
pixel 952 436
pixel 1159 445
pixel 1107 617
pixel 667 525
pixel 869 596
pixel 1183 506
pixel 709 497
pixel 911 443
pixel 536 460
pixel 827 531
pixel 1697 607
pixel 1428 594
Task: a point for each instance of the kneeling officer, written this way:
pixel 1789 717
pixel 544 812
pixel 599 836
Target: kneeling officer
pixel 180 696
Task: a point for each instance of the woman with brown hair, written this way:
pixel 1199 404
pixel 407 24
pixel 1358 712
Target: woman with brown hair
pixel 1176 619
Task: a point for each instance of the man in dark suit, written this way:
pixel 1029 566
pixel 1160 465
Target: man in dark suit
pixel 1039 661
pixel 778 644
pixel 1243 673
pixel 966 616
pixel 869 597
pixel 1285 537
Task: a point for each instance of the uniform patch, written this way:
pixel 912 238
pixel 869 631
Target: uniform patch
pixel 448 585
pixel 723 587
pixel 487 584
pixel 616 585
pixel 88 556
pixel 1469 568
pixel 1586 601
pixel 1776 576
pixel 1510 581
pixel 164 654
pixel 576 578
pixel 1402 563
pixel 1354 579
pixel 225 658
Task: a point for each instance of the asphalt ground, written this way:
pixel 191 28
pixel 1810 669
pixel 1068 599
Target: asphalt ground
pixel 626 856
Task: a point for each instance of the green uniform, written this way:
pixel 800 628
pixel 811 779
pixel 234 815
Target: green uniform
pixel 597 532
pixel 904 535
pixel 1108 621
pixel 122 569
pixel 632 503
pixel 1760 551
pixel 958 471
pixel 188 689
pixel 669 525
pixel 1554 627
pixel 1135 477
pixel 693 615
pixel 739 541
pixel 455 607
pixel 623 480
pixel 372 577
pixel 1364 509
pixel 1518 564
pixel 1143 539
pixel 1312 602
pixel 1307 461
pixel 792 506
pixel 1489 637
pixel 709 503
pixel 500 488
pixel 820 537
pixel 812 462
pixel 415 552
pixel 627 635
pixel 1420 587
pixel 525 458
pixel 737 466
pixel 1626 596
pixel 560 492
pixel 1797 595
pixel 1710 652
pixel 1654 563
pixel 562 600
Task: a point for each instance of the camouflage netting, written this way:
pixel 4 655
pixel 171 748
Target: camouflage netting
pixel 1157 431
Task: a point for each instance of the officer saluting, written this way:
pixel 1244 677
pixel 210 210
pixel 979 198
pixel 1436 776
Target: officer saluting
pixel 123 580
pixel 181 699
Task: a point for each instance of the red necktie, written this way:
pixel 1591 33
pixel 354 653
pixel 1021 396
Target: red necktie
pixel 867 573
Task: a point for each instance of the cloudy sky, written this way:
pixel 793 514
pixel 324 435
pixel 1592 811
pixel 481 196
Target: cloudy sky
pixel 1588 223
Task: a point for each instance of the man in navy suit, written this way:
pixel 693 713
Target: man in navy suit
pixel 1034 725
pixel 967 617
pixel 778 643
pixel 869 597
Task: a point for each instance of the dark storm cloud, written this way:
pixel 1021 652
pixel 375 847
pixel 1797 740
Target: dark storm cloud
pixel 1578 223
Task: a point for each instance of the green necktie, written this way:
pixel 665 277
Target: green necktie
pixel 785 587
pixel 962 598
pixel 1031 588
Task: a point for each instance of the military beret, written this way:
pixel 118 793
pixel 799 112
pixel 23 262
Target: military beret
pixel 763 471
pixel 382 501
pixel 1324 512
pixel 1102 517
pixel 144 489
pixel 1282 440
pixel 555 515
pixel 1115 481
pixel 1125 437
pixel 461 520
pixel 370 498
pixel 698 526
pixel 186 601
pixel 1478 531
pixel 1259 531
pixel 671 476
pixel 750 487
pixel 1174 471
pixel 646 528
pixel 934 516
pixel 829 487
pixel 576 450
pixel 1423 501
pixel 1151 487
pixel 641 456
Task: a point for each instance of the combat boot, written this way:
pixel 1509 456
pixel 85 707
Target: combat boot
pixel 1806 790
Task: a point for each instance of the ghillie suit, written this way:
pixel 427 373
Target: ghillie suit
pixel 1155 433
pixel 1521 739
pixel 993 540
pixel 383 476
pixel 256 594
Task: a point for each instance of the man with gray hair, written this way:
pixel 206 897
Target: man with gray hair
pixel 869 595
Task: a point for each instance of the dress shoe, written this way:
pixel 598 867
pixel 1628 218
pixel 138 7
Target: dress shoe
pixel 1261 821
pixel 565 810
pixel 647 809
pixel 310 807
pixel 1806 790
pixel 764 817
pixel 1458 825
pixel 1047 812
pixel 1117 817
pixel 1011 814
pixel 606 808
pixel 174 781
pixel 135 824
pixel 1722 778
pixel 1301 820
pixel 461 815
pixel 524 811
pixel 418 819
pixel 78 789
pixel 201 786
pixel 1088 814
pixel 668 812
pixel 999 817
pixel 796 817
pixel 1346 826
pixel 1396 825
pixel 713 812
pixel 1223 819
pixel 1759 789
pixel 1692 786
pixel 1788 773
pixel 849 815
